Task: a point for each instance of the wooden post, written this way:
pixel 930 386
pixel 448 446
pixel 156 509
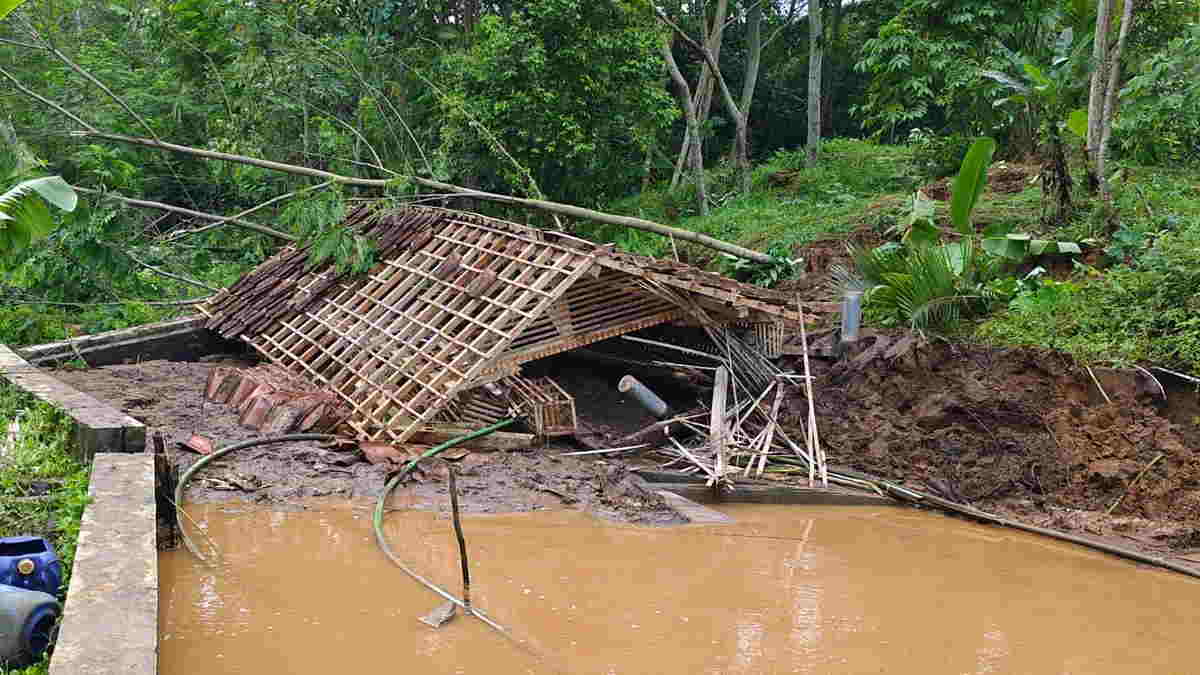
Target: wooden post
pixel 716 425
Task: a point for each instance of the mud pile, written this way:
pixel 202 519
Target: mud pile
pixel 1025 433
pixel 167 396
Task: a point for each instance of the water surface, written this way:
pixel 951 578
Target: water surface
pixel 787 589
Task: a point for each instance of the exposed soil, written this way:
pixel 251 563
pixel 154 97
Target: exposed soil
pixel 1004 178
pixel 1021 433
pixel 1025 434
pixel 167 397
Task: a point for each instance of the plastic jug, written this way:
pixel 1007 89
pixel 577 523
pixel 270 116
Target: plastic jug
pixel 27 624
pixel 30 563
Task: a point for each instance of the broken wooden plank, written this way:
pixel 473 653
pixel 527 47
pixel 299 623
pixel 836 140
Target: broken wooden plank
pixel 497 440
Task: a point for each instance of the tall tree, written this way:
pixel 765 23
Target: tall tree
pixel 1110 98
pixel 816 50
pixel 691 137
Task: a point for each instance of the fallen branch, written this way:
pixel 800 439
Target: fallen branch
pixel 1102 392
pixel 232 220
pixel 538 204
pixel 169 275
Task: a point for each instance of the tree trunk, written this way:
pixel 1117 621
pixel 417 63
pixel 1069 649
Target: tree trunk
pixel 1110 100
pixel 749 82
pixel 816 50
pixel 1097 88
pixel 702 99
pixel 683 92
pixel 827 82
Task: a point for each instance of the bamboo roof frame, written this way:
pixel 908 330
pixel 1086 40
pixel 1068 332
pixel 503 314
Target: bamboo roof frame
pixel 458 300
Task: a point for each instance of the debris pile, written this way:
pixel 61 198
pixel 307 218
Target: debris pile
pixel 274 401
pixel 460 301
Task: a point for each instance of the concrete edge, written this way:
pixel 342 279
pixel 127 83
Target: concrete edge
pixel 697 514
pixel 175 339
pixel 98 426
pixel 110 620
pixel 781 494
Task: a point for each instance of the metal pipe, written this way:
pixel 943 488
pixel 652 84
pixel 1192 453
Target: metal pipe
pixel 648 399
pixel 851 315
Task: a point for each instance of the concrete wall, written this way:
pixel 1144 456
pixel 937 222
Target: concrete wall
pixel 110 620
pixel 175 340
pixel 98 426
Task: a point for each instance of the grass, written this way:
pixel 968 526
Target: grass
pixel 789 206
pixel 43 488
pixel 1136 299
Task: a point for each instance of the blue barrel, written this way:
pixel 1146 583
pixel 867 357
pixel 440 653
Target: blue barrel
pixel 30 563
pixel 28 622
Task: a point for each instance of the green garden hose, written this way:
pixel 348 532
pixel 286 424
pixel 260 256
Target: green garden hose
pixel 217 454
pixel 387 491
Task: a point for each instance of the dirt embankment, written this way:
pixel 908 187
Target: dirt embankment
pixel 168 397
pixel 1026 434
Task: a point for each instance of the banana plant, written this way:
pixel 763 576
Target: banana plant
pixel 25 208
pixel 7 7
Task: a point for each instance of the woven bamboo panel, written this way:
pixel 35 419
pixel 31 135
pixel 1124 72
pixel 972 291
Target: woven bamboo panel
pixel 549 409
pixel 399 345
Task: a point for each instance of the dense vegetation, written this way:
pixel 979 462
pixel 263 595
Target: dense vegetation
pixel 43 488
pixel 615 105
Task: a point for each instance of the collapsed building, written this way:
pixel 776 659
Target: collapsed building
pixel 439 329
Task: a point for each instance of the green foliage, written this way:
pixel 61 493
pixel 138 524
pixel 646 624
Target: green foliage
pixel 926 60
pixel 1143 312
pixel 937 155
pixel 926 288
pixel 969 184
pixel 7 7
pixel 24 212
pixel 28 325
pixel 318 222
pixel 1053 90
pixel 41 456
pixel 1160 119
pixel 766 275
pixel 570 89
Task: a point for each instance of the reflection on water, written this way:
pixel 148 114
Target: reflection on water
pixel 787 589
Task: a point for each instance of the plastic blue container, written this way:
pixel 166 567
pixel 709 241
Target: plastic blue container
pixel 30 563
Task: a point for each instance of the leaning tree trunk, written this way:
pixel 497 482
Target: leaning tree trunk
pixel 815 53
pixel 692 136
pixel 702 98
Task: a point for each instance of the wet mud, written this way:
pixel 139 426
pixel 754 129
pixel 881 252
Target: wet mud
pixel 167 396
pixel 783 590
pixel 1026 434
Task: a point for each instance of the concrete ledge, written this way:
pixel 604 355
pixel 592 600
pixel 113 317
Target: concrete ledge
pixel 98 427
pixel 175 340
pixel 780 494
pixel 695 513
pixel 110 620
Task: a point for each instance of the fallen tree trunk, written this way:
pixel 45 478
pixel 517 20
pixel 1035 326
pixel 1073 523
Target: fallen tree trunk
pixel 538 204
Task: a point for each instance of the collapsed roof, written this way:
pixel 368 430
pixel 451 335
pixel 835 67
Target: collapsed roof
pixel 459 300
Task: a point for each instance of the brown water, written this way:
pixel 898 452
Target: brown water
pixel 787 589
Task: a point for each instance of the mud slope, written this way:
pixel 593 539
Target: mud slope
pixel 1023 433
pixel 166 396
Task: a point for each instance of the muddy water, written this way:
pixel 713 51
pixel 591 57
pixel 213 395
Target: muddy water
pixel 786 589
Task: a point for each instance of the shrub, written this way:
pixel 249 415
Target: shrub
pixel 936 156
